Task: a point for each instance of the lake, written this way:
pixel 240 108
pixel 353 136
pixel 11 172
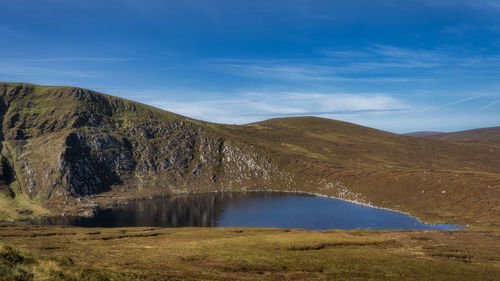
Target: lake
pixel 249 209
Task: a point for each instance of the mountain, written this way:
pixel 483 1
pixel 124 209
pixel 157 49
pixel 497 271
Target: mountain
pixel 68 150
pixel 422 134
pixel 483 135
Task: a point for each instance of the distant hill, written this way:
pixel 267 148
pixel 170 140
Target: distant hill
pixel 71 150
pixel 485 135
pixel 422 134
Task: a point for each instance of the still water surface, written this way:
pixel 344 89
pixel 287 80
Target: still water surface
pixel 249 209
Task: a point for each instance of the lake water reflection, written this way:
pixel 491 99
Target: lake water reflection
pixel 248 209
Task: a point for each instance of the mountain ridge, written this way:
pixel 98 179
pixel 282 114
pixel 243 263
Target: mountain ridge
pixel 421 134
pixel 71 150
pixel 490 135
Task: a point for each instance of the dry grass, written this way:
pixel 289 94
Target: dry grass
pixel 262 254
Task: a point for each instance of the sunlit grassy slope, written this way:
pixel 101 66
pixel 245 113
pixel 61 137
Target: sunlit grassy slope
pixel 66 150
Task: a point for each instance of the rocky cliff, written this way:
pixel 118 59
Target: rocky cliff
pixel 61 145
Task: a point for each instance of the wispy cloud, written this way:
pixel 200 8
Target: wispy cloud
pixel 32 71
pixel 376 63
pixel 468 99
pixel 60 68
pixel 250 107
pixel 491 98
pixel 477 4
pixel 370 71
pixel 275 69
pixel 492 103
pixel 76 59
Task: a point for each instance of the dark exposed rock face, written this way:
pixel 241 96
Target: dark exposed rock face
pixel 6 173
pixel 92 164
pixel 6 177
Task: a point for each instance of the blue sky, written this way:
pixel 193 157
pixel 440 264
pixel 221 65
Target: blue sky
pixel 394 65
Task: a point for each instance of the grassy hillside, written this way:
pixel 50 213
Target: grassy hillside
pixel 70 150
pixel 350 146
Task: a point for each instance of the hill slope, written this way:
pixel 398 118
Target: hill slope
pixel 70 150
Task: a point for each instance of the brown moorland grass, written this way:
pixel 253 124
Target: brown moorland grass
pixel 70 253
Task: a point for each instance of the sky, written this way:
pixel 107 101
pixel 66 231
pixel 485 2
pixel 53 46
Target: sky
pixel 399 66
